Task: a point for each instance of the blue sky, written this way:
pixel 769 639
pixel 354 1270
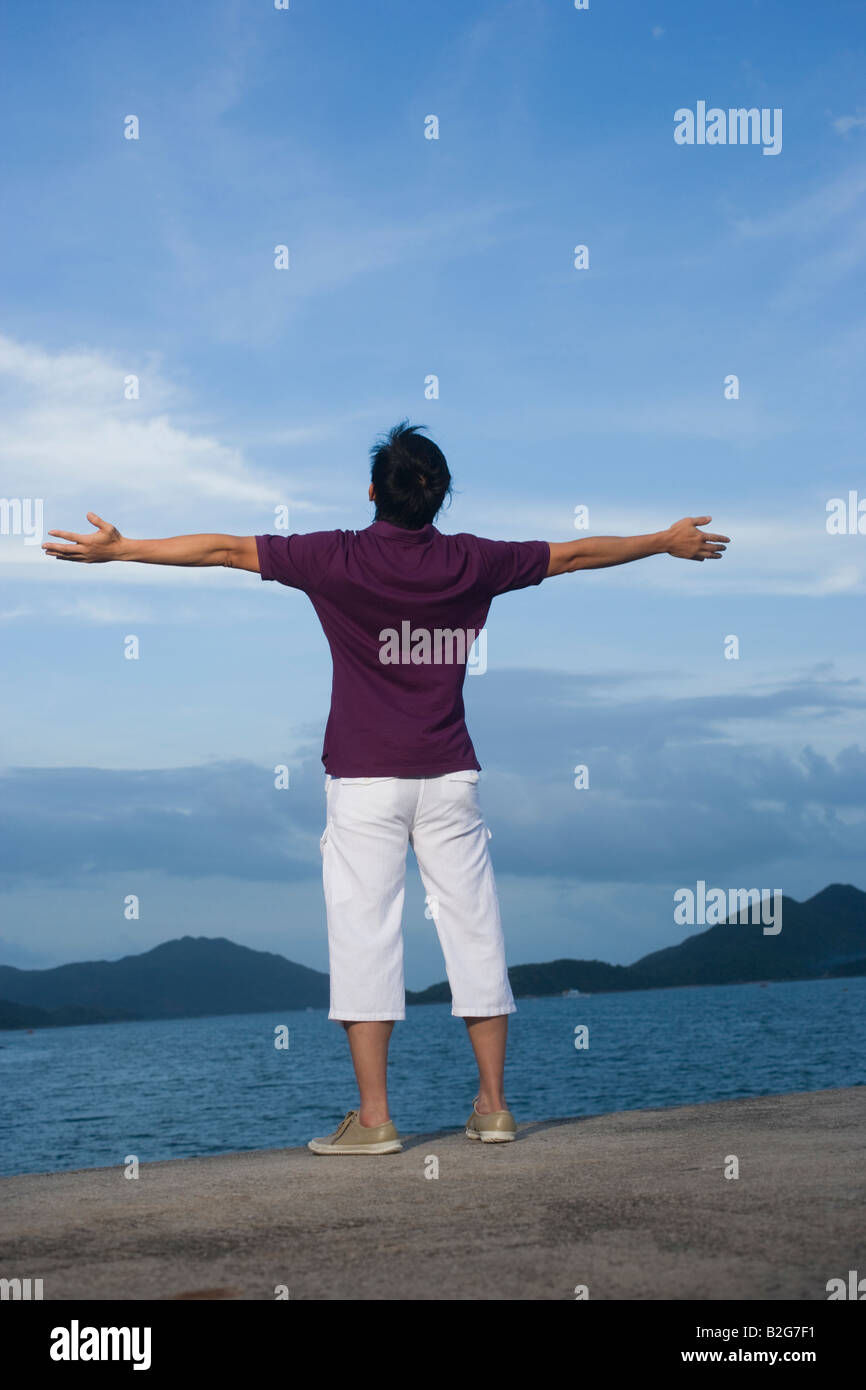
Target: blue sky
pixel 558 387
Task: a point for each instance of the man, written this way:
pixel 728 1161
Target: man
pixel 401 605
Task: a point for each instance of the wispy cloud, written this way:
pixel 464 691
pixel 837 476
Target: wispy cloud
pixel 69 436
pixel 106 610
pixel 845 124
pixel 810 214
pixel 831 221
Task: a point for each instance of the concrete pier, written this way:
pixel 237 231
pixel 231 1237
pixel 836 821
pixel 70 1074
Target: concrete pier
pixel 634 1205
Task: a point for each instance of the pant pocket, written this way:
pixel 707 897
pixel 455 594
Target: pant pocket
pixel 468 775
pixel 363 781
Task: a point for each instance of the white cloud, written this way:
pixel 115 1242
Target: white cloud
pixel 844 124
pixel 66 428
pixel 69 437
pixel 831 222
pixel 96 611
pixel 810 215
pixel 67 434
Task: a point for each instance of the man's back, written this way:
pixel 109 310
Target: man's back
pixel 400 609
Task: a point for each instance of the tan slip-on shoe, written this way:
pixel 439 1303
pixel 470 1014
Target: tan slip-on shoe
pixel 351 1137
pixel 496 1128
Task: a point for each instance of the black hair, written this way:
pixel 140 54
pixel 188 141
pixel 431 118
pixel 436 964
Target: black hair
pixel 409 475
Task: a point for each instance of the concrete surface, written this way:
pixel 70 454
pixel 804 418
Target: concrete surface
pixel 634 1205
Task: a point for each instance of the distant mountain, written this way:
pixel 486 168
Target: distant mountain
pixel 186 978
pixel 818 937
pixel 824 936
pixel 199 975
pixel 25 1016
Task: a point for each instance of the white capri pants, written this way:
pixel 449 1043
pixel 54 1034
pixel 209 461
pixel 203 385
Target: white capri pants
pixel 371 822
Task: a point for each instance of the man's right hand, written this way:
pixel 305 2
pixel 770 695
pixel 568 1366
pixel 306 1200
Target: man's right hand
pixel 105 543
pixel 686 542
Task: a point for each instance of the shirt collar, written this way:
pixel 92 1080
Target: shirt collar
pixel 390 532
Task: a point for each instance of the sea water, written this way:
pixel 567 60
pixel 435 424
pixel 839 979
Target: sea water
pixel 93 1096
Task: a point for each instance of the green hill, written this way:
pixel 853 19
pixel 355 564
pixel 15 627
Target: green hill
pixel 189 977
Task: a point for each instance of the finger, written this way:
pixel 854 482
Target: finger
pixel 97 521
pixel 67 553
pixel 710 537
pixel 700 520
pixel 63 549
pixel 69 536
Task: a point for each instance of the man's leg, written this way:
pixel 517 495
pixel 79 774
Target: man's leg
pixel 364 874
pixel 450 840
pixel 368 1043
pixel 488 1037
pixel 364 868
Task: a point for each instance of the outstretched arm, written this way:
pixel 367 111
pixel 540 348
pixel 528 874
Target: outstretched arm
pixel 106 543
pixel 683 540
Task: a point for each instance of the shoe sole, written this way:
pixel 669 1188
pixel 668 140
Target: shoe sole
pixel 387 1147
pixel 493 1136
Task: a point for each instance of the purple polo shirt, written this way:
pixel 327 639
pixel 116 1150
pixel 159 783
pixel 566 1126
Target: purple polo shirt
pixel 400 610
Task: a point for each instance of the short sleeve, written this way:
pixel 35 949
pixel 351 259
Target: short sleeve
pixel 511 565
pixel 297 560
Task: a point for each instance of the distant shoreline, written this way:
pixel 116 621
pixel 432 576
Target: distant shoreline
pixel 213 976
pixel 59 1018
